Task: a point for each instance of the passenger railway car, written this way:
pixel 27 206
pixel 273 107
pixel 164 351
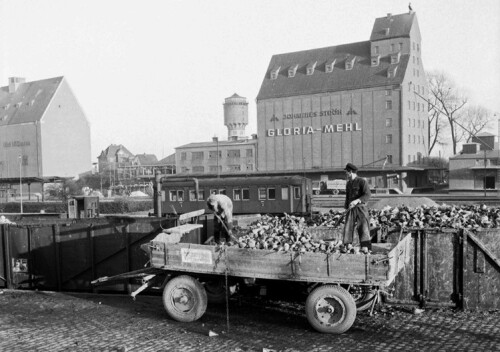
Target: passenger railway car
pixel 250 195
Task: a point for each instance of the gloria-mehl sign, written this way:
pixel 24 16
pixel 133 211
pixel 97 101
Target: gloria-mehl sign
pixel 294 131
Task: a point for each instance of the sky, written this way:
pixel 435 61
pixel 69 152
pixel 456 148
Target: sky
pixel 152 75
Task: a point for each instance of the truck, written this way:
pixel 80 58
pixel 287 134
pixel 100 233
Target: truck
pixel 192 273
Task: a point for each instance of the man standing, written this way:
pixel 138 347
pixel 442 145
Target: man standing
pixel 356 199
pixel 222 206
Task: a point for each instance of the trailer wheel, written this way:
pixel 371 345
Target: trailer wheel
pixel 363 296
pixel 184 298
pixel 330 309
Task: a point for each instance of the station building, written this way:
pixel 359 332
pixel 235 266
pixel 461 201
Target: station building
pixel 44 134
pixel 362 103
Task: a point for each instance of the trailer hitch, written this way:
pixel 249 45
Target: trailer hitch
pixel 375 262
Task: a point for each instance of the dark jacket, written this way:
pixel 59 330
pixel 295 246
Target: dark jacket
pixel 357 189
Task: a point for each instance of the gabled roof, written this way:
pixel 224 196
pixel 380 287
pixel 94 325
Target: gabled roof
pixel 399 26
pixel 147 159
pixel 113 149
pixel 28 103
pixel 362 74
pixel 169 160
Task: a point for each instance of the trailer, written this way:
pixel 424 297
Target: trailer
pixel 193 274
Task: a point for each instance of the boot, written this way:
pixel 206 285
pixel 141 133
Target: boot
pixel 367 244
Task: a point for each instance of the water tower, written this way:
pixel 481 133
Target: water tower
pixel 235 116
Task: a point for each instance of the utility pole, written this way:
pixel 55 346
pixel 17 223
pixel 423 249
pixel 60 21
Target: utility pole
pixel 21 180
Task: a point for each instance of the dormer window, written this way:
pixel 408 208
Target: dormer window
pixel 274 72
pixel 375 60
pixel 292 70
pixel 386 31
pixel 391 71
pixel 310 68
pixel 395 57
pixel 329 66
pixel 349 62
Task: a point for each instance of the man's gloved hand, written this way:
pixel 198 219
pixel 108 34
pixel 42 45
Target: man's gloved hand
pixel 354 203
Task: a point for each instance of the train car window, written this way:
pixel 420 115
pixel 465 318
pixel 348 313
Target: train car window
pixel 192 195
pixel 246 194
pixel 296 192
pixel 163 196
pixel 222 191
pixel 271 193
pixel 201 194
pixel 262 193
pixel 284 193
pixel 180 196
pixel 237 194
pixel 218 191
pixel 173 196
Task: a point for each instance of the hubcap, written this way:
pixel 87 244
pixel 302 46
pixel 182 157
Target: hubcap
pixel 329 310
pixel 182 299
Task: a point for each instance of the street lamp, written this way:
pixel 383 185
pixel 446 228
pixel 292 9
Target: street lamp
pixel 21 180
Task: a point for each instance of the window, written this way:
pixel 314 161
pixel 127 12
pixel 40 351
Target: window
pixel 249 167
pixel 388 104
pixel 218 191
pixel 234 167
pixel 262 193
pixel 375 60
pixel 183 155
pixel 192 195
pixel 418 73
pixel 284 193
pixel 275 72
pixel 388 139
pixel 375 50
pixel 413 45
pixel 176 195
pixel 413 139
pixel 413 122
pixel 199 169
pixel 418 123
pixel 310 68
pixel 329 66
pixel 271 193
pixel 388 122
pixel 388 92
pixel 392 48
pixel 389 158
pixel 418 139
pixel 296 193
pixel 413 105
pixel 413 58
pixel 197 155
pixel 400 46
pixel 237 194
pixel 409 122
pixel 418 47
pixel 249 153
pixel 184 169
pixel 213 154
pixel 418 61
pixel 233 153
pixel 418 106
pixel 213 168
pixel 201 195
pixel 245 193
pixel 292 70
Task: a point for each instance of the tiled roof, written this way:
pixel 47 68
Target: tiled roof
pixel 28 103
pixel 147 159
pixel 169 160
pixel 399 26
pixel 362 74
pixel 113 149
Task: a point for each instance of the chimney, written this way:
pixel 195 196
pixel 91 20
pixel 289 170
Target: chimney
pixel 254 136
pixel 389 15
pixel 14 83
pixel 215 139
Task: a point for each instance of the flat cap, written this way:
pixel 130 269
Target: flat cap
pixel 351 167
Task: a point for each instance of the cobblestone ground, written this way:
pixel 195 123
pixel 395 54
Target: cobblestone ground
pixel 45 321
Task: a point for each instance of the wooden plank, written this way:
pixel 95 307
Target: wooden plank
pixel 191 214
pixel 399 256
pixel 486 251
pixel 269 264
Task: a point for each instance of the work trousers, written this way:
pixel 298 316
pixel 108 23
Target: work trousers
pixel 357 218
pixel 220 231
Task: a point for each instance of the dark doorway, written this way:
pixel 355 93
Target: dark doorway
pixel 489 182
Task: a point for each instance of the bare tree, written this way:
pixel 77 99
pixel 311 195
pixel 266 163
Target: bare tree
pixel 447 102
pixel 476 119
pixel 436 125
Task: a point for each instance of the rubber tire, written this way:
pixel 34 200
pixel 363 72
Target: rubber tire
pixel 216 291
pixel 344 304
pixel 197 297
pixel 365 301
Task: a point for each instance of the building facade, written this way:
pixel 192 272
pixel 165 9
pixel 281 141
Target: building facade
pixel 44 133
pixel 361 102
pixel 237 155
